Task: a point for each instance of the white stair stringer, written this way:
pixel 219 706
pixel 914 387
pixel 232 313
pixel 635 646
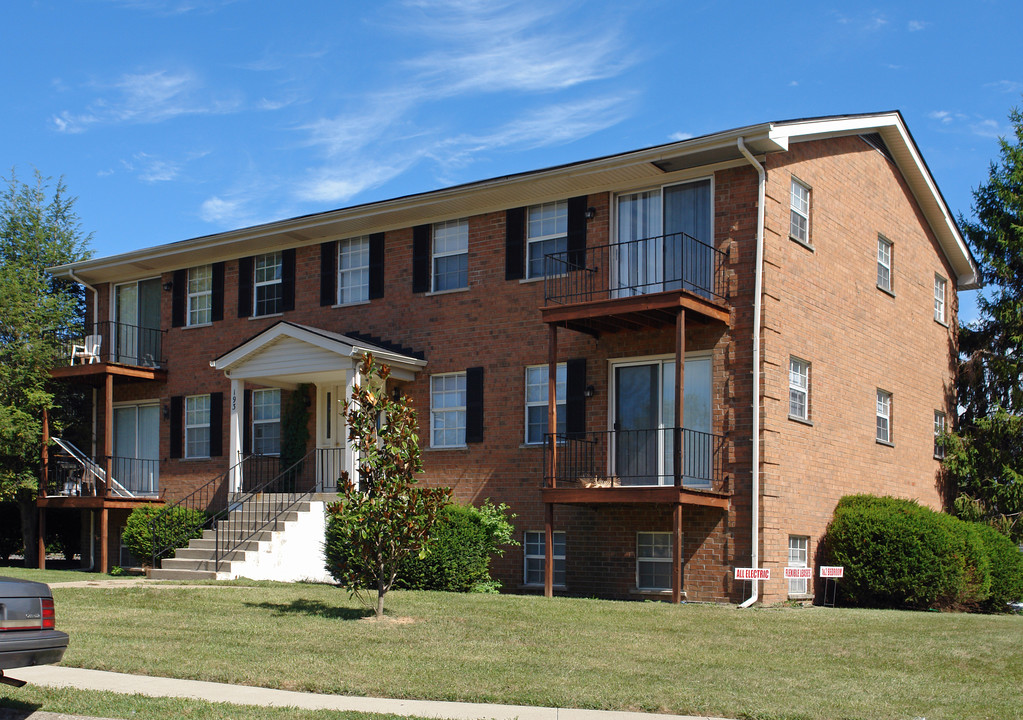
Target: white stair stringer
pixel 291 553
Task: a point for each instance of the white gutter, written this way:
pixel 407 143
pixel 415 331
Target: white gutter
pixel 95 296
pixel 757 289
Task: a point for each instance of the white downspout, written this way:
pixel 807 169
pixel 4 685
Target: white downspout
pixel 95 295
pixel 757 288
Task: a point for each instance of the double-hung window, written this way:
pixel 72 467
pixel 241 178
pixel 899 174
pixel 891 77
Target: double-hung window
pixel 266 421
pixel 546 234
pixel 799 212
pixel 884 264
pixel 884 416
pixel 197 426
pixel 536 401
pixel 940 287
pixel 799 389
pixel 450 255
pixel 535 551
pixel 353 270
pixel 797 558
pixel 653 561
pixel 940 427
pixel 447 410
pixel 267 286
pixel 200 295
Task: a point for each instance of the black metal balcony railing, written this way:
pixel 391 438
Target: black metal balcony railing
pixel 114 342
pixel 636 267
pixel 72 476
pixel 635 458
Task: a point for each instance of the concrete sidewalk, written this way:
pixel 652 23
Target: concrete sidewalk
pixel 57 676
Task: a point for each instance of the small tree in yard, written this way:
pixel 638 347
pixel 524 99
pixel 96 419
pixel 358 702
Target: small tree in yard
pixel 385 516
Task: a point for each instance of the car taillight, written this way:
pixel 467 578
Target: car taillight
pixel 49 615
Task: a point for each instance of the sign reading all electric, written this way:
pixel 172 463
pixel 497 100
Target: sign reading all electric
pixel 752 573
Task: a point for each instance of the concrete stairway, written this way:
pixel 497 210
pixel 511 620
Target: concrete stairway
pixel 196 561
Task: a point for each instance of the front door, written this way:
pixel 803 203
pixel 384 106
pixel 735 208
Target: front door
pixel 331 437
pixel 644 420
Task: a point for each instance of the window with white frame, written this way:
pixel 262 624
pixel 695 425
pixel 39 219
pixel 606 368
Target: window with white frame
pixel 535 550
pixel 884 416
pixel 266 421
pixel 884 264
pixel 799 388
pixel 450 255
pixel 653 560
pixel 798 556
pixel 267 286
pixel 940 427
pixel 447 410
pixel 197 426
pixel 353 270
pixel 200 295
pixel 546 233
pixel 799 212
pixel 536 401
pixel 940 287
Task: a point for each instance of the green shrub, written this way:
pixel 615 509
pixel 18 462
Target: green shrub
pixel 461 546
pixel 172 528
pixel 897 553
pixel 1006 569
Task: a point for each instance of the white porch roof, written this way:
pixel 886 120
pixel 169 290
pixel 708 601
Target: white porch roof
pixel 288 354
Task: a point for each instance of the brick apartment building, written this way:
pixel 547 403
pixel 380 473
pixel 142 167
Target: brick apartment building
pixel 786 290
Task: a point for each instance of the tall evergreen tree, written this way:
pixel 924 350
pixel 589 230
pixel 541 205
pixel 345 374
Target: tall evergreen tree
pixel 990 381
pixel 38 314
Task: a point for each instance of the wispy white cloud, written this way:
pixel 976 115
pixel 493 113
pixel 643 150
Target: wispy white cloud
pixel 1006 86
pixel 226 212
pixel 677 136
pixel 173 7
pixel 973 124
pixel 147 98
pixel 340 184
pixel 916 25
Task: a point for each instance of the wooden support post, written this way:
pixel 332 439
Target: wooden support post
pixel 552 403
pixel 45 470
pixel 676 555
pixel 548 563
pixel 41 538
pixel 680 380
pixel 108 436
pixel 104 555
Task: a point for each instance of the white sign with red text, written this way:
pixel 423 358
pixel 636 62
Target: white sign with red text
pixel 752 573
pixel 798 573
pixel 832 571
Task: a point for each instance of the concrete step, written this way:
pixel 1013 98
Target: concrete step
pixel 182 575
pixel 208 553
pixel 233 534
pixel 195 565
pixel 210 545
pixel 259 518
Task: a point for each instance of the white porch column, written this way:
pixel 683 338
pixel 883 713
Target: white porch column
pixel 234 455
pixel 351 453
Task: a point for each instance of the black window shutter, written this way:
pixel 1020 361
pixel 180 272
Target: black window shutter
pixel 422 236
pixel 474 405
pixel 178 294
pixel 216 424
pixel 288 280
pixel 177 419
pixel 247 424
pixel 515 243
pixel 328 273
pixel 218 292
pixel 245 270
pixel 576 241
pixel 575 396
pixel 376 266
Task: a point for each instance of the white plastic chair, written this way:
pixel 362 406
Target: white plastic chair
pixel 89 350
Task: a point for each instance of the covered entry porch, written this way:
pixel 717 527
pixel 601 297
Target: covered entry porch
pixel 287 356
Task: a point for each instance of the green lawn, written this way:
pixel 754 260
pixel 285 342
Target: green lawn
pixel 52 576
pixel 692 659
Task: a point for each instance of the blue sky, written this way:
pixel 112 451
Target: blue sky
pixel 172 119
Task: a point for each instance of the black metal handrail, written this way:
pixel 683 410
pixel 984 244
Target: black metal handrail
pixel 674 261
pixel 114 342
pixel 634 458
pixel 71 476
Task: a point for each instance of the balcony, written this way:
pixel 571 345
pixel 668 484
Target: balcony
pixel 635 284
pixel 635 466
pixel 113 348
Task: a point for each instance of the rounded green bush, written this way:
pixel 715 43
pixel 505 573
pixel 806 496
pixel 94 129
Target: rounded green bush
pixel 172 527
pixel 1006 569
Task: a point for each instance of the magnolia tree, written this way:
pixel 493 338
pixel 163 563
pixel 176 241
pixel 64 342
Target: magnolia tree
pixel 384 516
